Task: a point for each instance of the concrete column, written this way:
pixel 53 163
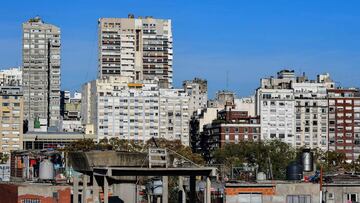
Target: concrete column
pixel 165 190
pixel 126 191
pixel 95 189
pixel 192 196
pixel 75 189
pixel 84 190
pixel 106 190
pixel 208 190
pixel 182 190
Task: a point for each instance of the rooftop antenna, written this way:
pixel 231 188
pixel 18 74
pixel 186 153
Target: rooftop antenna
pixel 227 79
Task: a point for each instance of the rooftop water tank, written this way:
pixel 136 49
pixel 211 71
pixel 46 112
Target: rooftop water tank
pixel 294 171
pixel 157 187
pixel 260 176
pixel 46 170
pixel 307 159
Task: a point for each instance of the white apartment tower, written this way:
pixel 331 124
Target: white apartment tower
pixel 137 47
pixel 41 73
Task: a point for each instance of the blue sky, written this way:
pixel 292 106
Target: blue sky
pixel 247 39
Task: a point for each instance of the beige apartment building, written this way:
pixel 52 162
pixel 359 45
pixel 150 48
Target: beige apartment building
pixel 140 48
pixel 11 118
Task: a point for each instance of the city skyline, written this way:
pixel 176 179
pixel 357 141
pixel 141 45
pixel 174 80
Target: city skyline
pixel 313 38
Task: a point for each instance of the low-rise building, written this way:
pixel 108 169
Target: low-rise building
pixel 52 140
pixel 34 193
pixel 230 127
pixel 272 192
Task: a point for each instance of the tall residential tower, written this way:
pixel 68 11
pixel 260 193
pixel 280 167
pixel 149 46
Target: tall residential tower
pixel 41 74
pixel 140 48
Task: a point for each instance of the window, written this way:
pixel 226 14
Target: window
pixel 227 138
pixel 352 197
pixel 298 198
pixel 30 201
pixel 249 198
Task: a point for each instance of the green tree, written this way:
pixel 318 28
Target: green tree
pixel 257 154
pixel 4 158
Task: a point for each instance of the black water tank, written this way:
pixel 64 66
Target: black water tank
pixel 294 171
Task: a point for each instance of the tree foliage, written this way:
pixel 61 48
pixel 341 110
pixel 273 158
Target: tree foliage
pixel 4 158
pixel 259 155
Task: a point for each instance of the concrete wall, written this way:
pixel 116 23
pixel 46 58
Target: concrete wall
pixel 274 193
pixel 338 194
pixel 83 161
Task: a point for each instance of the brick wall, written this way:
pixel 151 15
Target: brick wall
pixel 8 193
pixel 266 191
pixel 64 196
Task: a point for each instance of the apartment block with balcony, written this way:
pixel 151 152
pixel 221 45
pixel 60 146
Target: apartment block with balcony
pixel 120 108
pixel 11 117
pixel 294 109
pixel 41 73
pixel 140 48
pixel 311 109
pixel 276 108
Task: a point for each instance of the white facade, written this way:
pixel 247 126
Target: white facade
pixel 311 110
pixel 133 111
pixel 276 108
pixel 11 77
pixel 246 104
pixel 197 91
pixel 295 109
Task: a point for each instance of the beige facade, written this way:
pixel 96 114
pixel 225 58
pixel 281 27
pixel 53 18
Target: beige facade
pixel 11 117
pixel 139 48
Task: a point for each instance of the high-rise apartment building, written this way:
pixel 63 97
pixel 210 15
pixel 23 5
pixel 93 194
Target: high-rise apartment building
pixel 197 91
pixel 117 107
pixel 11 118
pixel 41 73
pixel 11 77
pixel 137 47
pixel 344 122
